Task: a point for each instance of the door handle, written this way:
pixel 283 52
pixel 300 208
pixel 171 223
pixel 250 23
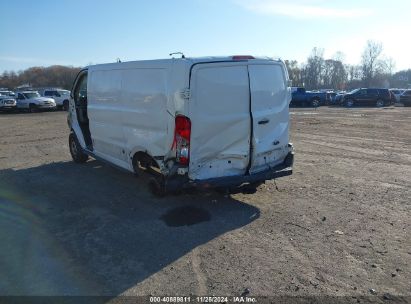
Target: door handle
pixel 263 121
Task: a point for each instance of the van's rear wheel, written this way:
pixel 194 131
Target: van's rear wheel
pixel 76 150
pixel 157 187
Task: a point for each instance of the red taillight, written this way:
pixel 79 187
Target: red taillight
pixel 182 139
pixel 242 57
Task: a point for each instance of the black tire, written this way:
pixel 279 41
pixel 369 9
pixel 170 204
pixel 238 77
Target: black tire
pixel 136 167
pixel 380 103
pixel 65 105
pixel 157 187
pixel 251 188
pixel 76 150
pixel 32 108
pixel 349 103
pixel 143 163
pixel 315 103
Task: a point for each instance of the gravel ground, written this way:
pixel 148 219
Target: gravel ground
pixel 339 226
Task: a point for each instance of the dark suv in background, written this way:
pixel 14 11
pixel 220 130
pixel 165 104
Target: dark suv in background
pixel 366 97
pixel 405 98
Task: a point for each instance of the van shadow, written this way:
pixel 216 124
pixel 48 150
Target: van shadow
pixel 68 229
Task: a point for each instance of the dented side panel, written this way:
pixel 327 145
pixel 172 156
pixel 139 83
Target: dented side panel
pixel 220 115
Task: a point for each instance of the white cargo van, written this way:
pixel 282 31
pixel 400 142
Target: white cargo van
pixel 191 122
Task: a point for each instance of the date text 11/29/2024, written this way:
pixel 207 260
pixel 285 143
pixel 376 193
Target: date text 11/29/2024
pixel 202 299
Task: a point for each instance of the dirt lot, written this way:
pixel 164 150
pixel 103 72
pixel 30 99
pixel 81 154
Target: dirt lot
pixel 340 225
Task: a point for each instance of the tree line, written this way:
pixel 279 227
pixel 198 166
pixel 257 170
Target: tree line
pixel 374 70
pixel 52 76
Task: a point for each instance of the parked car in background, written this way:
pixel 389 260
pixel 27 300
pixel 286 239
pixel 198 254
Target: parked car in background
pixel 405 98
pixel 366 97
pixel 7 103
pixel 331 97
pixel 32 101
pixel 61 97
pixel 301 97
pixel 397 93
pixel 338 94
pixel 7 93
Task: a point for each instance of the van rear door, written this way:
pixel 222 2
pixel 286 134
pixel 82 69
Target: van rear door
pixel 239 118
pixel 219 110
pixel 269 105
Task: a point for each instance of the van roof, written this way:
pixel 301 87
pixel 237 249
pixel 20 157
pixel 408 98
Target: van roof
pixel 187 60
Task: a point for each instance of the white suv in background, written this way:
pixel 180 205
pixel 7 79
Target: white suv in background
pixel 61 97
pixel 8 93
pixel 32 101
pixel 7 103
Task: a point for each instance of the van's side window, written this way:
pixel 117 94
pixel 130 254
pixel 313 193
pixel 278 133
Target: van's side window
pixel 80 93
pixel 48 93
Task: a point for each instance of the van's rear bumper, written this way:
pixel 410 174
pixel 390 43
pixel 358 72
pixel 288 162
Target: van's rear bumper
pixel 182 182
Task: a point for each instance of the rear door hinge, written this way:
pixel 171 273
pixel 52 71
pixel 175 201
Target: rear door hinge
pixel 185 94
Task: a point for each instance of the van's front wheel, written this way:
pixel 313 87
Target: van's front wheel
pixel 76 150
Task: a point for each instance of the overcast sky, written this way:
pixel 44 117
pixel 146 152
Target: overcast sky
pixel 80 32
